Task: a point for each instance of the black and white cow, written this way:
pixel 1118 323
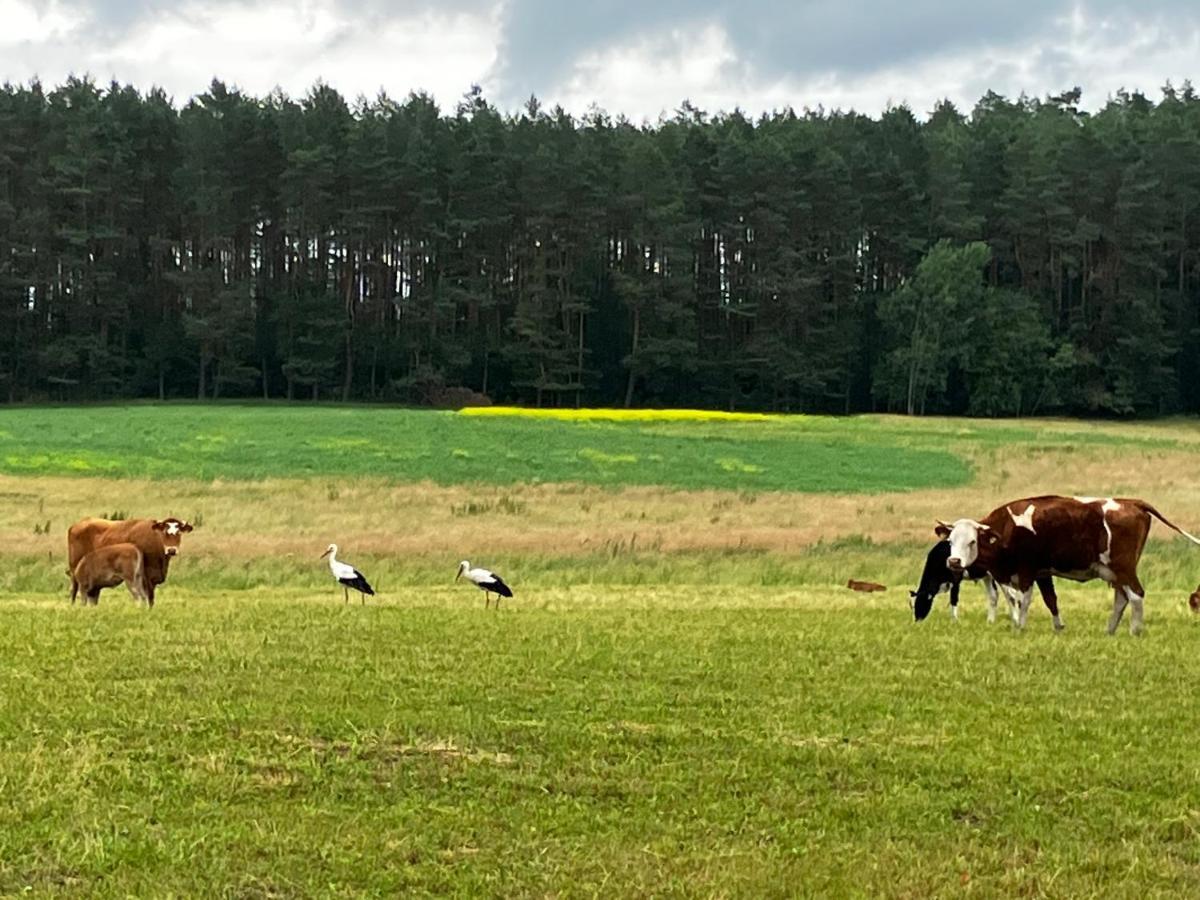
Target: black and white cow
pixel 938 578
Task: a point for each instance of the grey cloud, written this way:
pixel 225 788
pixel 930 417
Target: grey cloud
pixel 543 38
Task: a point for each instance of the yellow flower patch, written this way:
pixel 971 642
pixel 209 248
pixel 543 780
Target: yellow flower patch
pixel 620 415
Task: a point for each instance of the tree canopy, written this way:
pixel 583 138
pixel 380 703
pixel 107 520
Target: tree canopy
pixel 1024 256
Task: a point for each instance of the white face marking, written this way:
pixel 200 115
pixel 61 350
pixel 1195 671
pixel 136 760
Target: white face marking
pixel 172 528
pixel 1025 519
pixel 964 541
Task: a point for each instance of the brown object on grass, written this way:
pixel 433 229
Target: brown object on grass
pixel 865 586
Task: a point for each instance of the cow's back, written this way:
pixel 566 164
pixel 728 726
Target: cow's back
pixel 1061 535
pixel 87 535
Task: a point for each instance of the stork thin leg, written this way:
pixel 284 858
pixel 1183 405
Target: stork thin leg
pixel 345 595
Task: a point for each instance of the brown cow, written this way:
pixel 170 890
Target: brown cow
pixel 107 567
pixel 1080 538
pixel 158 539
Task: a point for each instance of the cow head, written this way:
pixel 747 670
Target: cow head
pixel 967 538
pixel 172 531
pixel 934 579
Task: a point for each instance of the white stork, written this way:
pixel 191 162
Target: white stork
pixel 489 582
pixel 347 576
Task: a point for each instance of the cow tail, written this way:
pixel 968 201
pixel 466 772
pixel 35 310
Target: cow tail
pixel 1146 507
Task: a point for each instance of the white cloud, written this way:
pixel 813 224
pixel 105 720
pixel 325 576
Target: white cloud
pixel 27 23
pixel 276 44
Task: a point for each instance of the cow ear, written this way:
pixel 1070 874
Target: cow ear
pixel 159 526
pixel 989 537
pixel 186 527
pixel 941 529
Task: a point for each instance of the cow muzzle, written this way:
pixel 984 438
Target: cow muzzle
pixel 954 565
pixel 172 551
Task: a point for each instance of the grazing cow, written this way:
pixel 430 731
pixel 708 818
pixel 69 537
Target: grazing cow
pixel 937 578
pixel 107 567
pixel 1080 538
pixel 158 539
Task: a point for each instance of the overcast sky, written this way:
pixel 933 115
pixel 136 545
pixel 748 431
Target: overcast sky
pixel 638 57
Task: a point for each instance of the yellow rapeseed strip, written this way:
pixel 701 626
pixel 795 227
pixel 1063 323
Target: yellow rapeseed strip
pixel 621 415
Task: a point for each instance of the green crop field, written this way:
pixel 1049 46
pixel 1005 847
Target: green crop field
pixel 681 700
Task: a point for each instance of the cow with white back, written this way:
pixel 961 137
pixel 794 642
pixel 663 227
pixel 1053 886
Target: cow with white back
pixel 158 539
pixel 1079 538
pixel 937 578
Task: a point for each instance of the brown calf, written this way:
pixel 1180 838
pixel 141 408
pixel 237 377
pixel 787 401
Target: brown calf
pixel 867 587
pixel 107 567
pixel 158 539
pixel 1079 538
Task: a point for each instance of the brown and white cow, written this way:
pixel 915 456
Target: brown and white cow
pixel 107 567
pixel 158 539
pixel 1079 538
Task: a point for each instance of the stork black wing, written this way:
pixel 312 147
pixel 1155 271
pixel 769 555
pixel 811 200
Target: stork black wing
pixel 358 583
pixel 496 586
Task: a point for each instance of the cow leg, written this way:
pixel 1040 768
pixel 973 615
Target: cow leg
pixel 1136 594
pixel 1050 598
pixel 1023 613
pixel 954 600
pixel 1120 600
pixel 1135 617
pixel 989 585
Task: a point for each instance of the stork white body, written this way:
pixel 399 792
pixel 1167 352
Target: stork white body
pixel 347 576
pixel 488 582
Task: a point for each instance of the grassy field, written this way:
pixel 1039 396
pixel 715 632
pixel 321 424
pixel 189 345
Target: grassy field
pixel 682 700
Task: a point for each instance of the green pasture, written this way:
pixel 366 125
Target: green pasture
pixel 258 441
pixel 592 742
pixel 724 720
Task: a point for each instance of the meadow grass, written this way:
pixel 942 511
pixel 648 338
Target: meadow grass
pixel 682 700
pixel 779 742
pixel 259 441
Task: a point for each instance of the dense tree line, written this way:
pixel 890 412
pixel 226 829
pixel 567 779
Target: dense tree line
pixel 1028 257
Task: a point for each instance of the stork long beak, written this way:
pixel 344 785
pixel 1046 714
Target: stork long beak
pixel 458 575
pixel 323 555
